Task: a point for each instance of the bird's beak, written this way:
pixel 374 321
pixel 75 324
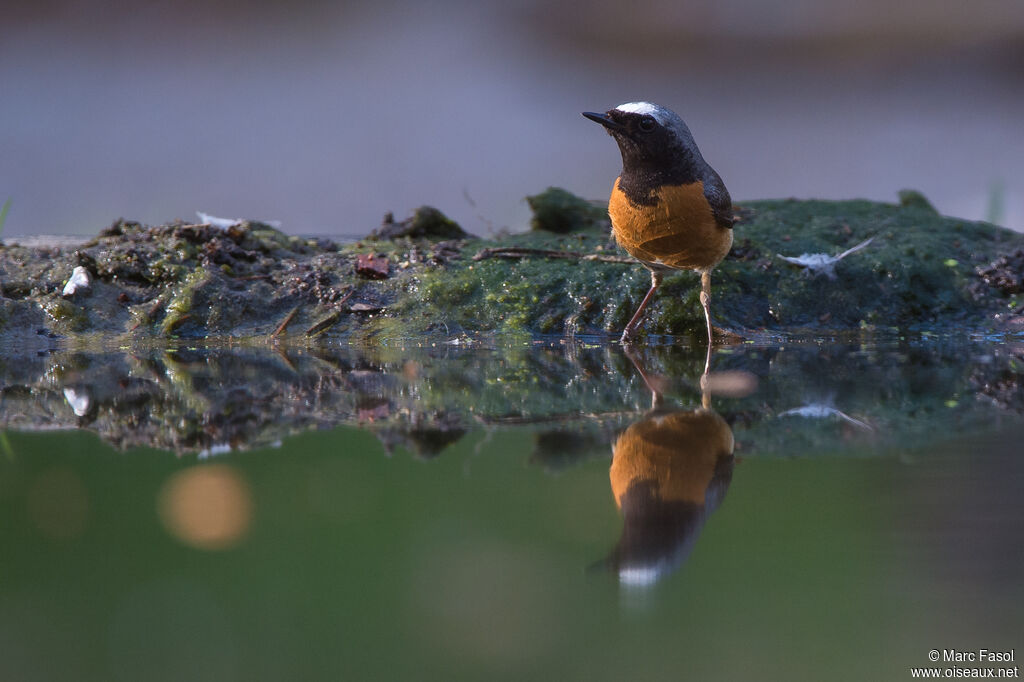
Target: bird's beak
pixel 603 119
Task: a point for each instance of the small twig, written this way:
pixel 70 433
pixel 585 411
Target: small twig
pixel 624 260
pixel 348 295
pixel 150 314
pixel 556 418
pixel 284 323
pixel 324 324
pixel 513 252
pixel 332 319
pixel 284 358
pixel 169 327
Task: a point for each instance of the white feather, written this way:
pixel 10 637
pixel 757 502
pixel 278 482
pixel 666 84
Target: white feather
pixel 822 262
pixel 79 280
pixel 214 221
pixel 820 411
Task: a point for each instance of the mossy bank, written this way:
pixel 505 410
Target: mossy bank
pixel 563 277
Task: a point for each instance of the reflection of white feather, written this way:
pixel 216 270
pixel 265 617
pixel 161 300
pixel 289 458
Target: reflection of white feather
pixel 79 280
pixel 819 411
pixel 822 262
pixel 214 450
pixel 79 401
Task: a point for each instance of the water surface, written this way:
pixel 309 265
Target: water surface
pixel 826 510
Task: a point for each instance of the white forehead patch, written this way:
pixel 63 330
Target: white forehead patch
pixel 646 109
pixel 666 117
pixel 638 108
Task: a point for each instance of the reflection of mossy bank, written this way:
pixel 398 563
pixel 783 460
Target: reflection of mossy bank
pixel 810 400
pixel 250 280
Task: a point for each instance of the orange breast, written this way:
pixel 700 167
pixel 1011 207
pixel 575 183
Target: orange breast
pixel 678 231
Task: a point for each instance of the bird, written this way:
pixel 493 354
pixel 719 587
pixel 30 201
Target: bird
pixel 669 208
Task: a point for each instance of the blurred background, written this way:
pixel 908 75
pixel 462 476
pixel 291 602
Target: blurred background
pixel 325 115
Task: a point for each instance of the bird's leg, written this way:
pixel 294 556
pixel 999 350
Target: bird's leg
pixel 630 330
pixel 705 386
pixel 653 385
pixel 705 301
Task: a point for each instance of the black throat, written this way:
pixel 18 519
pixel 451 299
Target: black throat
pixel 642 176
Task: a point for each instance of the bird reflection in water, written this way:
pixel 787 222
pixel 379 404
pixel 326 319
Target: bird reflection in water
pixel 670 471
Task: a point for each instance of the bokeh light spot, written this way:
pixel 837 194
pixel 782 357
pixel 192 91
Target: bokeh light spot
pixel 206 507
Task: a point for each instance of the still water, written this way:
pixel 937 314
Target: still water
pixel 815 509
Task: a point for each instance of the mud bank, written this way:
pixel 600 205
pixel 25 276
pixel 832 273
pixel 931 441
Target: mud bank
pixel 424 276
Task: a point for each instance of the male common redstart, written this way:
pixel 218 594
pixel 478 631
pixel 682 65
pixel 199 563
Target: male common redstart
pixel 669 209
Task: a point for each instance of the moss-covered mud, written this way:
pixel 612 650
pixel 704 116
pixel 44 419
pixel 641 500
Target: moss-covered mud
pixel 251 281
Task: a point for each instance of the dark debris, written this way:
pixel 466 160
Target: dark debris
pixel 1005 274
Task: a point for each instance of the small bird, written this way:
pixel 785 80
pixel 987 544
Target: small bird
pixel 670 210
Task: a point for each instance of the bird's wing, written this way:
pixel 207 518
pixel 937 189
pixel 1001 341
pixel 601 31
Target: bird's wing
pixel 718 196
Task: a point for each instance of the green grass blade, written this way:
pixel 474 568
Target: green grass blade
pixel 3 214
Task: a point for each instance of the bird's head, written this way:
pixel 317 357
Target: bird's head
pixel 648 134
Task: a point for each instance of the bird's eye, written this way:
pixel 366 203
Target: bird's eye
pixel 647 124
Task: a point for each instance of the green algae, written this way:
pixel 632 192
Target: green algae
pixel 906 276
pixel 426 222
pixel 557 210
pixel 180 307
pixel 65 315
pixel 902 278
pixel 3 214
pixel 914 199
